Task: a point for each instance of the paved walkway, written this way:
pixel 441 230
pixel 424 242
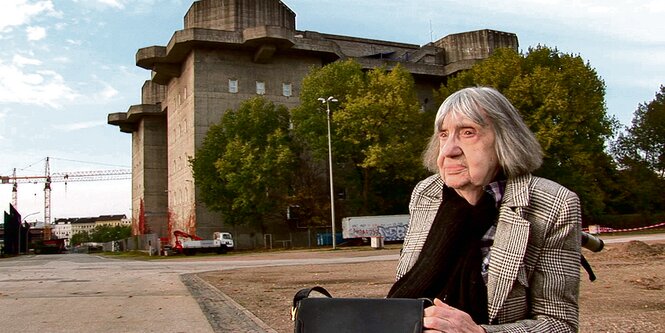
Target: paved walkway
pixel 89 293
pixel 80 292
pixel 84 293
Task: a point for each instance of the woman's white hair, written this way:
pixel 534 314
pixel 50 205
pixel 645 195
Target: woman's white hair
pixel 516 146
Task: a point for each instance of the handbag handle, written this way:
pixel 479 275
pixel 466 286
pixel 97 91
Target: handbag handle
pixel 304 293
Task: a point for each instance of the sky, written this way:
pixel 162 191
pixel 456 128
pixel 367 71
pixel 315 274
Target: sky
pixel 66 64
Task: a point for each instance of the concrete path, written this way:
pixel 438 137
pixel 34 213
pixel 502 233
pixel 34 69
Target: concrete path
pixel 89 293
pixel 85 293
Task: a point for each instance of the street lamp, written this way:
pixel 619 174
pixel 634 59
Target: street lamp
pixel 327 101
pixel 19 231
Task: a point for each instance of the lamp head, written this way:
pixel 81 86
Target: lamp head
pixel 327 100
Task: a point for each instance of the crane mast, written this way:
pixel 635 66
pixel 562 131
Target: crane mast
pixel 15 191
pixel 47 196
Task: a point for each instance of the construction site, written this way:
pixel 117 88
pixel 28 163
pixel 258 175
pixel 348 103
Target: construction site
pixel 53 234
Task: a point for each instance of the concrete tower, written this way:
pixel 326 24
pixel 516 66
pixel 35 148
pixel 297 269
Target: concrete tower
pixel 230 51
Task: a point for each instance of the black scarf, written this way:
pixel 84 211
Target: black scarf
pixel 449 264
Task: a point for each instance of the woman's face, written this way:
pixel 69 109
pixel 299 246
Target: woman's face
pixel 467 160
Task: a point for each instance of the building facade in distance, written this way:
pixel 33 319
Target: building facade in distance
pixel 230 51
pixel 65 228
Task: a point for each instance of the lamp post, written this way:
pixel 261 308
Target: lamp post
pixel 19 231
pixel 327 101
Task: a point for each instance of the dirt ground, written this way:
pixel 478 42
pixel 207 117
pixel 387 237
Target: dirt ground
pixel 628 296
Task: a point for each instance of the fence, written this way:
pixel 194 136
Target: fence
pixel 597 229
pixel 149 242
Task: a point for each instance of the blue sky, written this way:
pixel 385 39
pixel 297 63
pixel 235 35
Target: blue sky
pixel 66 64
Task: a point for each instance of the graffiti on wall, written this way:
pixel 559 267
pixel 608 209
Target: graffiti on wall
pixel 389 233
pixel 390 227
pixel 394 233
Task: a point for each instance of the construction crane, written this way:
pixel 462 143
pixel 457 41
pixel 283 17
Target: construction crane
pixel 60 177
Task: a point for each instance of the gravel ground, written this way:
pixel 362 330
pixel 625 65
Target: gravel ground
pixel 629 295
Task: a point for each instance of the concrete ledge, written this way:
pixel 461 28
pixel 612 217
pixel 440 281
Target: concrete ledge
pixel 127 121
pixel 279 36
pixel 223 313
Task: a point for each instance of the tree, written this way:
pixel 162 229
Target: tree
pixel 640 152
pixel 246 162
pixel 102 234
pixel 80 238
pixel 107 233
pixel 378 130
pixel 311 192
pixel 384 130
pixel 342 79
pixel 644 141
pixel 561 98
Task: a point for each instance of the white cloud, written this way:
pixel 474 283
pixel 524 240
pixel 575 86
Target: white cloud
pixel 2 123
pixel 101 95
pixel 35 33
pixel 76 42
pixel 34 87
pixel 118 4
pixel 108 92
pixel 648 62
pixel 20 61
pixel 62 60
pixel 655 57
pixel 131 7
pixel 60 26
pixel 627 20
pixel 19 12
pixel 112 3
pixel 78 125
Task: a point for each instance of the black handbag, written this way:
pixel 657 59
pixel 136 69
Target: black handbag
pixel 355 315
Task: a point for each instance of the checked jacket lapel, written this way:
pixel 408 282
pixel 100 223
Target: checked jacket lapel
pixel 510 243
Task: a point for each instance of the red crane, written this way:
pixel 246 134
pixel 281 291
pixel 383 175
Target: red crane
pixel 60 177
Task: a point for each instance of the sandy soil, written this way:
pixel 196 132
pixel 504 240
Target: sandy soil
pixel 628 296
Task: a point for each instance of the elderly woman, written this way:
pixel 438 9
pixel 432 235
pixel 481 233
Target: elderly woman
pixel 497 248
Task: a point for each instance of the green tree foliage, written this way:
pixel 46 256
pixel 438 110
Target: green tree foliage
pixel 378 131
pixel 311 192
pixel 107 233
pixel 246 162
pixel 102 234
pixel 378 127
pixel 640 152
pixel 342 79
pixel 80 238
pixel 644 141
pixel 384 131
pixel 561 99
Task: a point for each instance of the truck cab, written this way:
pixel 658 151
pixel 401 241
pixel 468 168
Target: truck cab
pixel 225 239
pixel 191 244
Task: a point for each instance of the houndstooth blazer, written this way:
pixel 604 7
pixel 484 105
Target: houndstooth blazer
pixel 534 273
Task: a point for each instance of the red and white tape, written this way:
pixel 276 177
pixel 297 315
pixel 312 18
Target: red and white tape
pixel 600 229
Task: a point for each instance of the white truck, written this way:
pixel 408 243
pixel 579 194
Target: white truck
pixel 191 244
pixel 389 227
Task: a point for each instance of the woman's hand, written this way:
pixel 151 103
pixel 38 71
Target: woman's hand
pixel 442 317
